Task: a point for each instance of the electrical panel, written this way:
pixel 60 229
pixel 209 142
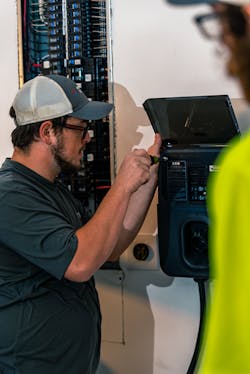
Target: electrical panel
pixel 69 37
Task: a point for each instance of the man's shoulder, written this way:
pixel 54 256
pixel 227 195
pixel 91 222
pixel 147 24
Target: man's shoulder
pixel 10 174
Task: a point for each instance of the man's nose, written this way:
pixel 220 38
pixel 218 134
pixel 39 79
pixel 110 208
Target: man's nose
pixel 86 138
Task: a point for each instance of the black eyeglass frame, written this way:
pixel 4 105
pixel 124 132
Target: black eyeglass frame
pixel 61 122
pixel 199 19
pixel 233 15
pixel 78 128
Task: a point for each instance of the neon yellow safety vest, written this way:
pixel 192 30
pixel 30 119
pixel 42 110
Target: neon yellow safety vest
pixel 226 339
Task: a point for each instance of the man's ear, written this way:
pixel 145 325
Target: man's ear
pixel 46 131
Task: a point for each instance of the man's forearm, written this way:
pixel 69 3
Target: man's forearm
pixel 98 238
pixel 138 206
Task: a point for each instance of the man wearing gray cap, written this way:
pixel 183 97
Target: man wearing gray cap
pixel 225 343
pixel 49 310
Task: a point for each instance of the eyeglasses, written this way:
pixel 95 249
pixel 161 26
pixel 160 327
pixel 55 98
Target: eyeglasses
pixel 211 24
pixel 83 129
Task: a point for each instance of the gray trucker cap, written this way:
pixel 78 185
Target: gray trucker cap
pixel 52 96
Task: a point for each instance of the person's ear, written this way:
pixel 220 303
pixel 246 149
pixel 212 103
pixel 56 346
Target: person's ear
pixel 46 131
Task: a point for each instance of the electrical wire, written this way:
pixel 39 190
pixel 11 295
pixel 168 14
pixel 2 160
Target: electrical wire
pixel 202 295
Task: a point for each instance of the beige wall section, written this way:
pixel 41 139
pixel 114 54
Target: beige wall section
pixel 159 322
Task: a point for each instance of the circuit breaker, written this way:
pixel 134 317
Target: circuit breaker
pixel 69 37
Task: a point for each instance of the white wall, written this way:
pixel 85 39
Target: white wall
pixel 158 51
pixel 8 72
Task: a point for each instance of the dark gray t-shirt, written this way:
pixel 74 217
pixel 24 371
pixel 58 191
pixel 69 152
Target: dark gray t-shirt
pixel 47 323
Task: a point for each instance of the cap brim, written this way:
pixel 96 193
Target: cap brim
pixel 196 2
pixel 190 2
pixel 93 110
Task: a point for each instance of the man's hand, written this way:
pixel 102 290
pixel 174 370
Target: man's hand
pixel 135 169
pixel 154 149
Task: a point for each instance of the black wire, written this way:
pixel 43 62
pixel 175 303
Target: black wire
pixel 202 294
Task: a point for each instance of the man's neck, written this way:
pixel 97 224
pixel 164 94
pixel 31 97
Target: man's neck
pixel 37 160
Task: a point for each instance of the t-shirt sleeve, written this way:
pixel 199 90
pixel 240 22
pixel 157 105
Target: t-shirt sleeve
pixel 37 230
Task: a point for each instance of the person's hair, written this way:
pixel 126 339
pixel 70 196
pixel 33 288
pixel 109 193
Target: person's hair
pixel 236 20
pixel 23 136
pixel 239 65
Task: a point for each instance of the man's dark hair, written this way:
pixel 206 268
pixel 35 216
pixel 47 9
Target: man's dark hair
pixel 23 136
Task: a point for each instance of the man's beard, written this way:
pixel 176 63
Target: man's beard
pixel 58 153
pixel 64 165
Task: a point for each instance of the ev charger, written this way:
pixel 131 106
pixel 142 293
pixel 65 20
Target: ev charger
pixel 194 131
